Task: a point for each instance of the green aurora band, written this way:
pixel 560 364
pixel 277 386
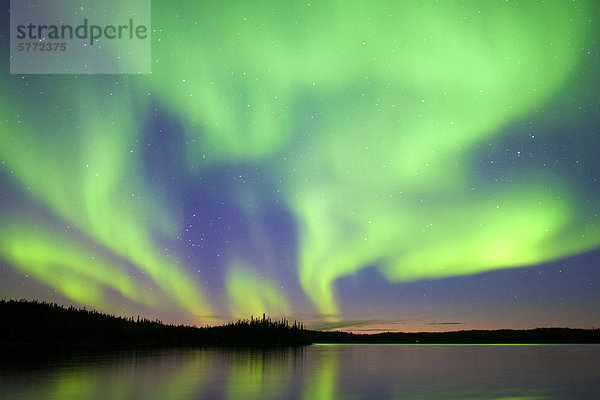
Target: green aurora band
pixel 83 169
pixel 250 294
pixel 367 115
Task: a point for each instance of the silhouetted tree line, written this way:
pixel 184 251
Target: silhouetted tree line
pixel 502 336
pixel 40 322
pixel 34 322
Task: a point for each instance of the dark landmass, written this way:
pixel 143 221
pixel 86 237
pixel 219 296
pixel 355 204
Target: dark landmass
pixel 502 336
pixel 33 322
pixel 38 323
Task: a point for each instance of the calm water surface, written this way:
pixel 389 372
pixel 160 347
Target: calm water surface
pixel 312 372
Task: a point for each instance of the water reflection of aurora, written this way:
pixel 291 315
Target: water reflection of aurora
pixel 275 150
pixel 312 372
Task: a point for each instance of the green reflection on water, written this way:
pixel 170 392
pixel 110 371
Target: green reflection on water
pixel 324 372
pixel 321 384
pixel 258 373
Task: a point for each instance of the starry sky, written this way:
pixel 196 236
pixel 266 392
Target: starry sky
pixel 400 166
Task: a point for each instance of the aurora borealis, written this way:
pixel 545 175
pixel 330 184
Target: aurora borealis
pixel 343 163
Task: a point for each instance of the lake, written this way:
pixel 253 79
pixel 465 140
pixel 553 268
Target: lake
pixel 311 372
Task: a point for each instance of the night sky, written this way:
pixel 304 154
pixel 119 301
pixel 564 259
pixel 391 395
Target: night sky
pixel 406 166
